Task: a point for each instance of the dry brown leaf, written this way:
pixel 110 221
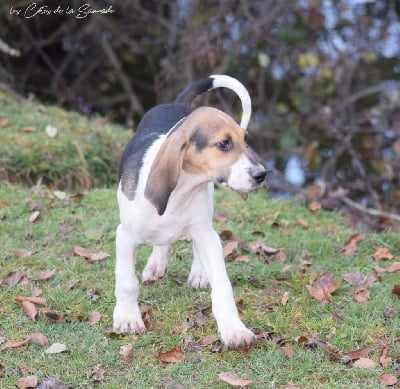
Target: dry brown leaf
pixel 365 363
pixel 99 256
pixel 13 278
pixel 384 358
pixel 226 234
pixel 241 258
pixel 23 253
pixel 30 309
pixel 221 217
pixel 268 253
pixel 54 316
pixel 358 278
pixel 357 354
pixel 4 122
pixel 45 274
pixel 82 252
pixel 209 339
pixel 350 247
pixel 98 373
pixel 314 206
pixel 234 380
pixel 25 368
pixel 34 217
pixel 288 352
pixel 392 269
pixel 13 344
pixel 230 247
pixel 126 352
pixel 73 284
pixel 362 297
pixel 30 381
pixel 94 317
pixel 388 379
pixel 396 290
pixel 382 253
pixel 37 338
pixel 303 222
pixel 32 299
pixel 28 129
pixel 285 298
pixel 326 281
pixel 171 356
pixel 319 294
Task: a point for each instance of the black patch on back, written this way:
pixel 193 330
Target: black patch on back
pixel 156 122
pixel 199 139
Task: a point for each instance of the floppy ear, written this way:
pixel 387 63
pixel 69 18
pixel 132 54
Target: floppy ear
pixel 165 170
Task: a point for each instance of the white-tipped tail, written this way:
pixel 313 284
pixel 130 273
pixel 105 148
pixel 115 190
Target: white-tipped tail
pixel 224 81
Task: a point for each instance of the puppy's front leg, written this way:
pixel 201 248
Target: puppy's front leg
pixel 127 316
pixel 209 249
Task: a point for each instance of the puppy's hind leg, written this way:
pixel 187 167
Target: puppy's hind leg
pixel 156 264
pixel 127 316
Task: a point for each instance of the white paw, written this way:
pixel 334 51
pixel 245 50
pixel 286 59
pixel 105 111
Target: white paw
pixel 237 336
pixel 128 321
pixel 197 280
pixel 152 272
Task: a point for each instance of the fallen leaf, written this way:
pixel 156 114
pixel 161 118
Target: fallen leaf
pixel 396 290
pixel 226 234
pixel 350 246
pixel 86 253
pixel 241 258
pixel 392 269
pixel 234 380
pixel 28 129
pixel 390 311
pixel 30 381
pixel 54 383
pixel 13 278
pixel 25 368
pixel 303 222
pixel 94 317
pixel 285 298
pixel 319 294
pixel 37 338
pixel 327 282
pixel 56 348
pixel 22 253
pixel 209 339
pixel 357 354
pixel 30 309
pixel 32 299
pixel 269 254
pixel 221 217
pixel 384 359
pixel 51 131
pixel 98 373
pixel 82 252
pixel 93 294
pixel 388 379
pixel 382 253
pixel 365 363
pixel 362 297
pixel 45 274
pixel 230 247
pixel 314 206
pixel 34 216
pixel 4 122
pixel 73 284
pixel 13 344
pixel 171 356
pixel 288 352
pixel 358 278
pixel 126 352
pixel 54 317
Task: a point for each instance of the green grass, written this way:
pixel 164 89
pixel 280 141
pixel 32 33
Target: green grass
pixel 91 221
pixel 83 154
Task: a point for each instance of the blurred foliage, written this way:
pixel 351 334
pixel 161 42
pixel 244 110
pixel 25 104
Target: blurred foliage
pixel 323 74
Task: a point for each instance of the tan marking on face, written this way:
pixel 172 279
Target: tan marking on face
pixel 215 126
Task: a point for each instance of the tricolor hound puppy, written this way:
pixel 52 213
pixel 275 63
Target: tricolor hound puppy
pixel 167 177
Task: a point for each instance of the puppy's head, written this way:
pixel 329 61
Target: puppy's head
pixel 207 143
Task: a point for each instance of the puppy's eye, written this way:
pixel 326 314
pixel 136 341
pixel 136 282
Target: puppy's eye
pixel 225 145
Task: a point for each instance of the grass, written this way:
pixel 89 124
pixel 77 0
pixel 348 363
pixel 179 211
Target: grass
pixel 84 153
pixel 90 222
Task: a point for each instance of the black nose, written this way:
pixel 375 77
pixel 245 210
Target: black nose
pixel 259 176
